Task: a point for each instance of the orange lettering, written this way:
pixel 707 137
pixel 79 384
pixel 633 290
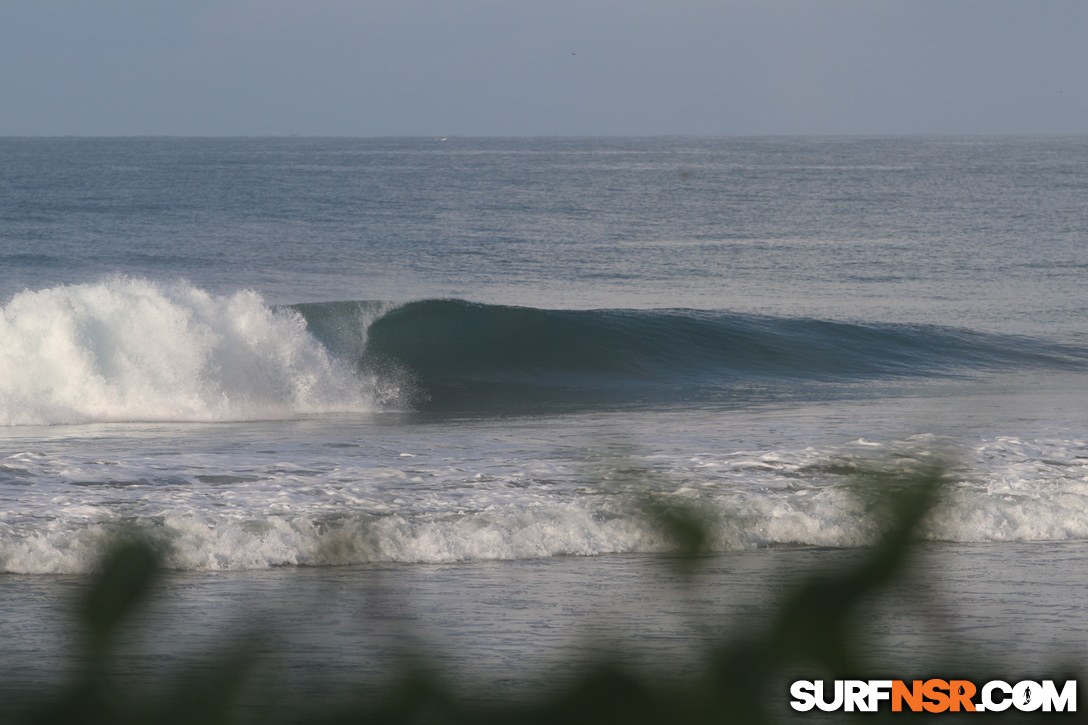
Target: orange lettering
pixel 912 696
pixel 961 692
pixel 932 690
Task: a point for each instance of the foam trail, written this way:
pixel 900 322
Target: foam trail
pixel 134 350
pixel 233 540
pixel 61 519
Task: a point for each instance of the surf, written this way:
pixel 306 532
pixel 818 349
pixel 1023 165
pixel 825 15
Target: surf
pixel 460 355
pixel 134 350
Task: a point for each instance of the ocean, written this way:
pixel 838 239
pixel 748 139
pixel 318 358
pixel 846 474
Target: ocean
pixel 373 396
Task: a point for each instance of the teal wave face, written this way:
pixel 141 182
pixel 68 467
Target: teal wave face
pixel 464 355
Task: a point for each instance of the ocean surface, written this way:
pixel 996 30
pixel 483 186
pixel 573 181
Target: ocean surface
pixel 457 370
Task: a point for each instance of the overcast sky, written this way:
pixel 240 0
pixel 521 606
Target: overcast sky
pixel 542 67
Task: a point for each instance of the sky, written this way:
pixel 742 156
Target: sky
pixel 542 67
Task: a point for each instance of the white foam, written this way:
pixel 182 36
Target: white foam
pixel 133 350
pixel 246 507
pixel 191 541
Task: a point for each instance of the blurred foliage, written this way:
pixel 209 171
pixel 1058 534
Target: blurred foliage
pixel 812 631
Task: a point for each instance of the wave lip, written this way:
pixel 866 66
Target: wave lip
pixel 133 350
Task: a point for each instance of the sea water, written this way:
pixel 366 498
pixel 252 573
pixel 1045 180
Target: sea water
pixel 441 368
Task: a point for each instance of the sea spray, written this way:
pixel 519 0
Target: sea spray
pixel 130 349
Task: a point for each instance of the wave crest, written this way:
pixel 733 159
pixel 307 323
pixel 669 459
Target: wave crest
pixel 467 355
pixel 129 349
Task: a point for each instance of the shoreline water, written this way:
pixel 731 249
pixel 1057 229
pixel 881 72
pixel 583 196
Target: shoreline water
pixel 503 630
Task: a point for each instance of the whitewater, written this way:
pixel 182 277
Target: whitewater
pixel 132 351
pixel 486 365
pixel 129 350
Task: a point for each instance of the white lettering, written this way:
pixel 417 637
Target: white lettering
pixel 1066 701
pixel 879 690
pixel 1027 696
pixel 834 704
pixel 995 695
pixel 857 696
pixel 804 698
pixel 992 704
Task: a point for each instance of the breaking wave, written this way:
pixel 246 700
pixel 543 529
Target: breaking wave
pixel 134 350
pixel 467 356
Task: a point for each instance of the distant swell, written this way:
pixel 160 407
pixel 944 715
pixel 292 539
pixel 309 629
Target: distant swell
pixel 465 355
